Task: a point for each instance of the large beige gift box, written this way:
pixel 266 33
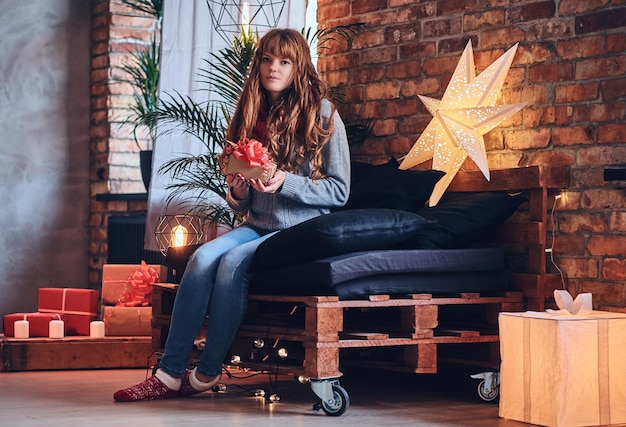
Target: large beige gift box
pixel 127 321
pixel 560 369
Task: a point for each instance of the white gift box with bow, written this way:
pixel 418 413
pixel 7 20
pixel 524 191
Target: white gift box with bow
pixel 565 367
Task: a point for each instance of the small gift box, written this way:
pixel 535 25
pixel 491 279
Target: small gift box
pixel 38 323
pixel 119 279
pixel 249 158
pixel 563 368
pixel 127 321
pixel 80 307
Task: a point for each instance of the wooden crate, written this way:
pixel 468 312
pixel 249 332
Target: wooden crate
pixel 74 353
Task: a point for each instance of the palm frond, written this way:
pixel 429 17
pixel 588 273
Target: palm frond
pixel 177 112
pixel 143 74
pixel 324 36
pixel 151 7
pixel 226 71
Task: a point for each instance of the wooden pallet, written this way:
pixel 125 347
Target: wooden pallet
pixel 74 353
pixel 313 329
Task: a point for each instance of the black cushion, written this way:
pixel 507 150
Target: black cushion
pixel 337 233
pixel 464 218
pixel 386 186
pixel 359 274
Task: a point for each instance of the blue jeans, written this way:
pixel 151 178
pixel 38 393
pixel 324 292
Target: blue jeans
pixel 216 283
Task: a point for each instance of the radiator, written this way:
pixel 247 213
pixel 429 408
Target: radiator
pixel 126 237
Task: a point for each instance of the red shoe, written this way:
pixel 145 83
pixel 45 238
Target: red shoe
pixel 150 389
pixel 187 390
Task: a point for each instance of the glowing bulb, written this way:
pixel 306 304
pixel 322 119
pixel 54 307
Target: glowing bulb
pixel 282 352
pixel 179 236
pixel 235 360
pixel 259 393
pixel 259 343
pixel 219 388
pixel 245 17
pixel 274 398
pixel 302 379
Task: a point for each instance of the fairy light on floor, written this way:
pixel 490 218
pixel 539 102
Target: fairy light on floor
pixel 465 113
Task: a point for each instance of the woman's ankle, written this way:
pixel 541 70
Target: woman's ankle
pixel 205 378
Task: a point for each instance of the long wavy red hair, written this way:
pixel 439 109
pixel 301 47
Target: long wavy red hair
pixel 295 131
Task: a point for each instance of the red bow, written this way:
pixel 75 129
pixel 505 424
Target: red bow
pixel 253 152
pixel 141 281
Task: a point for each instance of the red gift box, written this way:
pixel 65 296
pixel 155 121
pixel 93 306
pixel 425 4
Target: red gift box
pixel 80 307
pixel 38 323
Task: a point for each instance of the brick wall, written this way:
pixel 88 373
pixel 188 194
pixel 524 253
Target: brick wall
pixel 571 69
pixel 114 163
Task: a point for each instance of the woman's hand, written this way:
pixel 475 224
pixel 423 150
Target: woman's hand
pixel 239 187
pixel 272 186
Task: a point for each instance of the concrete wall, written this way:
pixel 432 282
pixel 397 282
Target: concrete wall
pixel 44 148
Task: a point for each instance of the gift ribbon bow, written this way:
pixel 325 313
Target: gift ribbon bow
pixel 252 152
pixel 567 305
pixel 141 281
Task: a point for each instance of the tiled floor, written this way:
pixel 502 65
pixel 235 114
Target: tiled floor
pixel 84 398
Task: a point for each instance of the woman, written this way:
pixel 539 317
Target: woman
pixel 282 105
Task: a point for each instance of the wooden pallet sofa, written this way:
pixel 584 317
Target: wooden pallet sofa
pixel 408 301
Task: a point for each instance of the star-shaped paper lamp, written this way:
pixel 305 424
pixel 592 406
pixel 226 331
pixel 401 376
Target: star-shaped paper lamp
pixel 466 112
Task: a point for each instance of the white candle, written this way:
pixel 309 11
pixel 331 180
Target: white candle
pixel 56 329
pixel 21 329
pixel 96 329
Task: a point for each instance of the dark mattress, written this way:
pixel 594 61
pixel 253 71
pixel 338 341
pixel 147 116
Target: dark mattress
pixel 359 274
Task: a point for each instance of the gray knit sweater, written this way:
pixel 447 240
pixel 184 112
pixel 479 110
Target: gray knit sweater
pixel 301 197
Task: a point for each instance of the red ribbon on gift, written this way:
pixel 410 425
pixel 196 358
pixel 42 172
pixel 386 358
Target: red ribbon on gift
pixel 141 281
pixel 253 152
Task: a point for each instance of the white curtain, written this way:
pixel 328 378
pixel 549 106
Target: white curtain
pixel 188 35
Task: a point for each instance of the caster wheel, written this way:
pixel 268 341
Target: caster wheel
pixel 488 395
pixel 339 403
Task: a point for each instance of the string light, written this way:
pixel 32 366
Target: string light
pixel 274 398
pixel 550 250
pixel 219 388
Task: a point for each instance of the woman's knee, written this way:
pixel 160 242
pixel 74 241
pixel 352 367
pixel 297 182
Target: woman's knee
pixel 202 261
pixel 234 266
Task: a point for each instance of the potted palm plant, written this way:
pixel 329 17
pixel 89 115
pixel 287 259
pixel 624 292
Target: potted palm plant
pixel 143 72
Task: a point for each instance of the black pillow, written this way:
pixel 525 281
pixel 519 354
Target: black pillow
pixel 386 186
pixel 335 234
pixel 463 219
